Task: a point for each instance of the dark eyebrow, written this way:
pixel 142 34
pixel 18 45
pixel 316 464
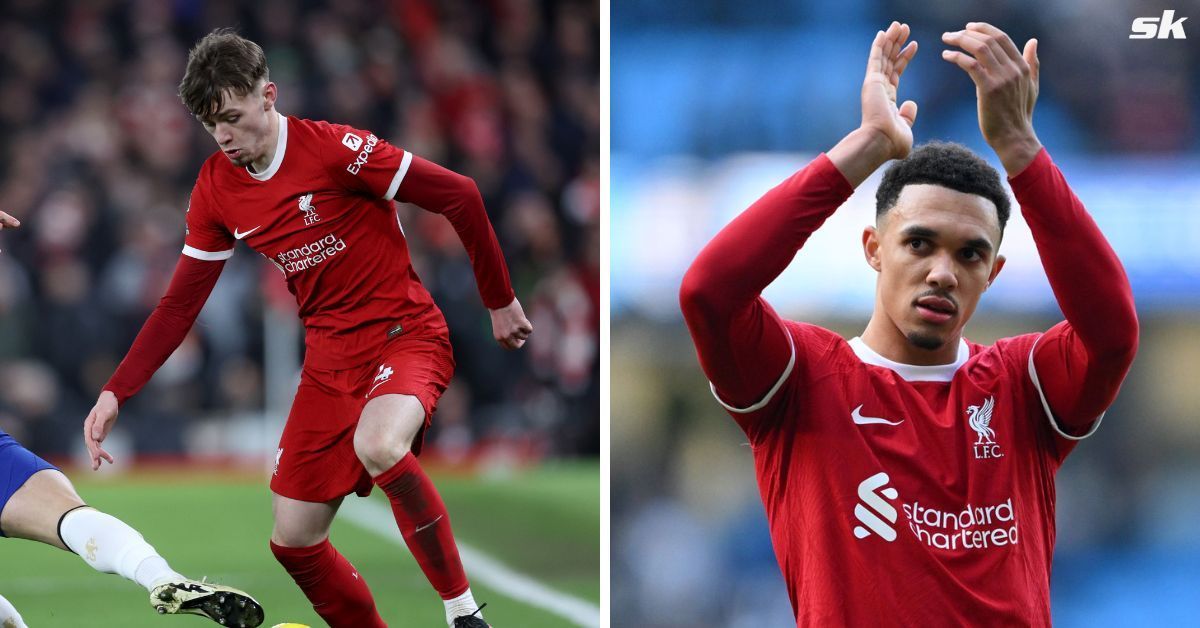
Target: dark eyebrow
pixel 917 231
pixel 224 113
pixel 981 244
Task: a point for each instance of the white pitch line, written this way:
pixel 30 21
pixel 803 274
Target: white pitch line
pixel 377 518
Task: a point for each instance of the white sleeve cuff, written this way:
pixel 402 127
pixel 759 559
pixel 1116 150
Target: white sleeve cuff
pixel 770 393
pixel 1046 404
pixel 405 162
pixel 208 256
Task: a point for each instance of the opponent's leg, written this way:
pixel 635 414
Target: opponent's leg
pixel 9 617
pixel 47 509
pixel 300 542
pixel 383 442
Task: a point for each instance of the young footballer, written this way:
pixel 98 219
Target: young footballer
pixel 315 198
pixel 908 474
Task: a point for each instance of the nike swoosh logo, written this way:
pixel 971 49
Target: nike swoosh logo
pixel 870 420
pixel 238 235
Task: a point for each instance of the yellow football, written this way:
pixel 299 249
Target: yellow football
pixel 291 626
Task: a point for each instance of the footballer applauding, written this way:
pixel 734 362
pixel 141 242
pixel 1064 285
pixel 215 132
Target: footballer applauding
pixel 908 474
pixel 315 198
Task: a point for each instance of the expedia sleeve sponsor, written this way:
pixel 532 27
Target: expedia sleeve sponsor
pixel 361 159
pixel 309 255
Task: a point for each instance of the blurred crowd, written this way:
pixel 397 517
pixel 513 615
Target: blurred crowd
pixel 99 156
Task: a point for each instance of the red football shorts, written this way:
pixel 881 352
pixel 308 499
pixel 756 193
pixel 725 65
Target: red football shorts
pixel 316 460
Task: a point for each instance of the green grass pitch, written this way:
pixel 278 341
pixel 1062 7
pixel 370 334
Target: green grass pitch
pixel 543 523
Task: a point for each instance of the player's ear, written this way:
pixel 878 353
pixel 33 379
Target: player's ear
pixel 871 243
pixel 270 92
pixel 995 270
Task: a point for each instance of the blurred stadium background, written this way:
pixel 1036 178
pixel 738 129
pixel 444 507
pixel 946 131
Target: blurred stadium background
pixel 714 102
pixel 98 159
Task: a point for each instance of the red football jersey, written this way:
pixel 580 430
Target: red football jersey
pixel 322 213
pixel 905 495
pixel 909 495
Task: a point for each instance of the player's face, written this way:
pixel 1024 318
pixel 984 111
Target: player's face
pixel 242 127
pixel 936 252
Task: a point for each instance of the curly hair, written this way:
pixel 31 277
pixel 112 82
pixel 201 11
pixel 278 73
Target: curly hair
pixel 949 165
pixel 221 61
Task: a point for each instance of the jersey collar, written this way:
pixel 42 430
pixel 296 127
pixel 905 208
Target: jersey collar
pixel 280 147
pixel 912 372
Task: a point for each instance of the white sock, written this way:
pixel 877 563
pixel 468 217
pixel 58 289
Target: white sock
pixel 9 617
pixel 154 571
pixel 109 545
pixel 461 605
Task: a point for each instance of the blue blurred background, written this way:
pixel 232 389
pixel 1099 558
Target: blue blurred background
pixel 714 102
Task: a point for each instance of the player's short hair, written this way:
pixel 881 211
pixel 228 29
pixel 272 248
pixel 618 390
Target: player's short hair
pixel 949 165
pixel 223 60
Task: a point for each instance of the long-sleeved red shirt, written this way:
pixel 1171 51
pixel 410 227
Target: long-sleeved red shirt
pixel 900 494
pixel 322 213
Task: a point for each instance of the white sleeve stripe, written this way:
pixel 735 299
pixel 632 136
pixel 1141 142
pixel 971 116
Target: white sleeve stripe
pixel 1046 404
pixel 770 393
pixel 405 162
pixel 208 256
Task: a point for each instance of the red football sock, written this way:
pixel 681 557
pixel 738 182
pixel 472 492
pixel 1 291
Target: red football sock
pixel 424 524
pixel 338 594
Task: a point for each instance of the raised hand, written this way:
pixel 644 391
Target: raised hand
pixel 886 129
pixel 1006 88
pixel 887 61
pixel 98 424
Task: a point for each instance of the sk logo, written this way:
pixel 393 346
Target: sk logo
pixel 1152 27
pixel 980 420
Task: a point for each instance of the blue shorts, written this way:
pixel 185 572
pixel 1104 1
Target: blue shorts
pixel 16 465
